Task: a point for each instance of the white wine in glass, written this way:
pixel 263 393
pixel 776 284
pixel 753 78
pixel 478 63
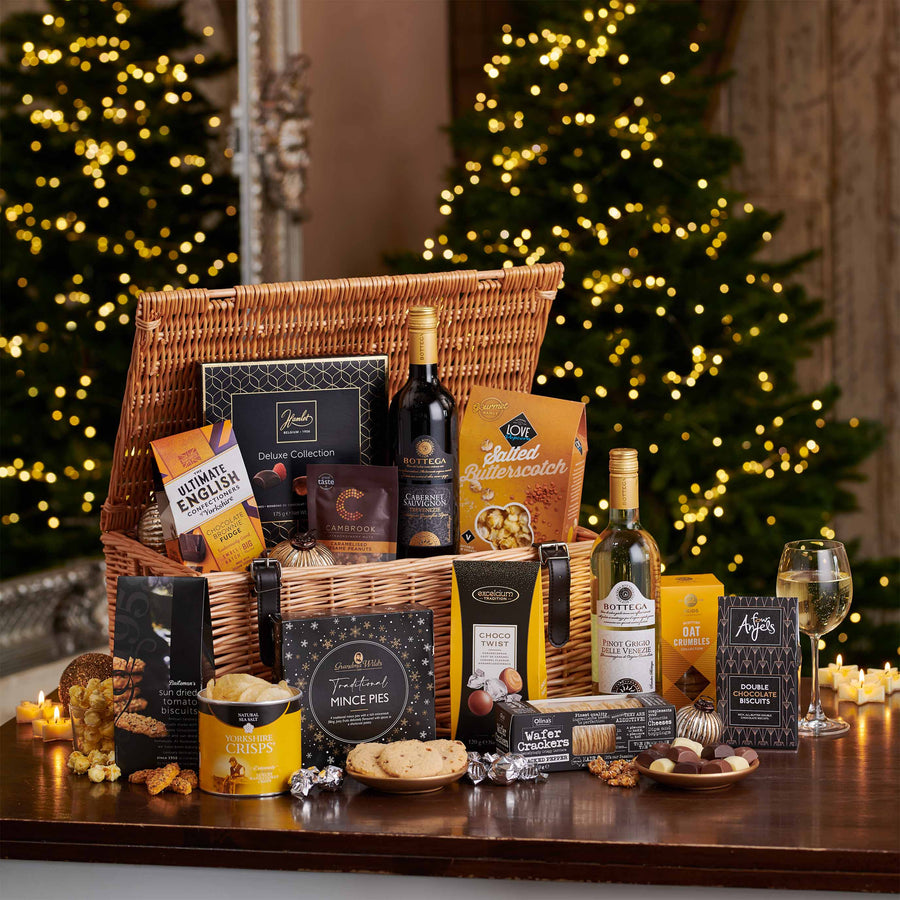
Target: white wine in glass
pixel 822 598
pixel 817 574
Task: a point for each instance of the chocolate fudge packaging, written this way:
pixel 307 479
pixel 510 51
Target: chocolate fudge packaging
pixel 364 675
pixel 162 656
pixel 570 732
pixel 209 517
pixel 496 644
pixel 290 413
pixel 757 663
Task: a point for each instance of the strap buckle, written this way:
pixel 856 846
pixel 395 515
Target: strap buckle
pixel 264 562
pixel 556 550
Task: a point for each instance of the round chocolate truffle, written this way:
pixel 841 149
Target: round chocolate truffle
pixel 512 679
pixel 480 703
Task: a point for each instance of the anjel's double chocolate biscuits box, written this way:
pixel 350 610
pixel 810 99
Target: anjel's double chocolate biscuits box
pixel 364 676
pixel 289 413
pixel 758 658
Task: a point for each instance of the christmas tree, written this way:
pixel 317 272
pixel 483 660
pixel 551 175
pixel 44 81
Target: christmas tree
pixel 109 188
pixel 587 145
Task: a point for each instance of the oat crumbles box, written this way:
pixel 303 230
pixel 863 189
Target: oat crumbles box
pixel 521 469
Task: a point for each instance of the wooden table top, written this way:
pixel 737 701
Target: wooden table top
pixel 827 817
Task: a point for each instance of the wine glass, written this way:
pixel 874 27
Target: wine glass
pixel 817 573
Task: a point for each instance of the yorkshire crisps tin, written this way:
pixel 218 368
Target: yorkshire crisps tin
pixel 248 749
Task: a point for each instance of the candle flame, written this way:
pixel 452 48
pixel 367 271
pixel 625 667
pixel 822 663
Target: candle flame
pixel 887 667
pixel 40 698
pixel 862 678
pixel 839 660
pixel 55 713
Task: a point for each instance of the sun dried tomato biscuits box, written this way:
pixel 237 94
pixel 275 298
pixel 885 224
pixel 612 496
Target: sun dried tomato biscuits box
pixel 162 657
pixel 521 464
pixel 365 675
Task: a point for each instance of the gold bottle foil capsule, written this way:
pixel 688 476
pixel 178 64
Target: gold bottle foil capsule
pixel 248 749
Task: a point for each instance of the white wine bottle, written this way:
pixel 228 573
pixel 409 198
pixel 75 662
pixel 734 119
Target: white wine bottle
pixel 624 589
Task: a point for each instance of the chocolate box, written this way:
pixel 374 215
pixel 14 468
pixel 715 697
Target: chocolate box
pixel 757 663
pixel 569 732
pixel 365 676
pixel 289 413
pixel 162 657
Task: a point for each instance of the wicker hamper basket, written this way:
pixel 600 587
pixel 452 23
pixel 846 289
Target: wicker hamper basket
pixel 491 325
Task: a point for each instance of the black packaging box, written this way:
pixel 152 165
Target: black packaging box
pixel 289 413
pixel 757 665
pixel 163 655
pixel 364 675
pixel 567 734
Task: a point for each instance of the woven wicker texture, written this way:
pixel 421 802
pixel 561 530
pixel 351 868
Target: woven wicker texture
pixel 491 325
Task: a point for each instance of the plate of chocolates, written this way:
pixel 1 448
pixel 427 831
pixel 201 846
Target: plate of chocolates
pixel 688 765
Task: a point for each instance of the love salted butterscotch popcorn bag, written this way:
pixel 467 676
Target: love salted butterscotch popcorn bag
pixel 521 470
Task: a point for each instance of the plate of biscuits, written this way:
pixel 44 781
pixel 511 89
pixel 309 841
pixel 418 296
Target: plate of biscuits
pixel 408 767
pixel 690 766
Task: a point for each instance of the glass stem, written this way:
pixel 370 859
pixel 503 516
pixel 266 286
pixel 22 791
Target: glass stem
pixel 815 712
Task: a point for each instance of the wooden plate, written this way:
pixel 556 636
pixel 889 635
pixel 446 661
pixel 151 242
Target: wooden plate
pixel 686 782
pixel 407 785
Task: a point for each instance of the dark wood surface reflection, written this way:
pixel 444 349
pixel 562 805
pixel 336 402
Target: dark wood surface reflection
pixel 826 817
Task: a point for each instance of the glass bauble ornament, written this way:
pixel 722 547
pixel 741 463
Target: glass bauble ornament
pixel 699 722
pixel 301 550
pixel 149 529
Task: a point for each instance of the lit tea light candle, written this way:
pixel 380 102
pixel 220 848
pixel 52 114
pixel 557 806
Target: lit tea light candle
pixel 837 673
pixel 887 677
pixel 861 692
pixel 57 728
pixel 37 728
pixel 27 711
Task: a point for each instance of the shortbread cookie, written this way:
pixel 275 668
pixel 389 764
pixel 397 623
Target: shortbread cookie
pixel 363 758
pixel 453 755
pixel 410 759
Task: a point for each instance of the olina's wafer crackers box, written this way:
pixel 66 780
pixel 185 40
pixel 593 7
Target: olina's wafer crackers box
pixel 209 517
pixel 521 464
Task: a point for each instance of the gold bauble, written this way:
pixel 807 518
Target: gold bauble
pixel 699 722
pixel 302 550
pixel 149 529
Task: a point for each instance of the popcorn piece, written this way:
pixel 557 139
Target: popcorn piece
pixel 97 773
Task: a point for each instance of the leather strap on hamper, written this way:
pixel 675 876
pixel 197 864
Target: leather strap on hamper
pixel 556 558
pixel 267 579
